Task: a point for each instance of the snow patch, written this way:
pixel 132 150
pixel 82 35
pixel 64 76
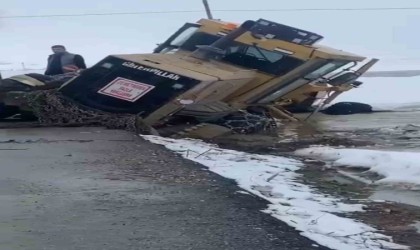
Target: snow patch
pixel 379 90
pixel 396 107
pixel 242 192
pixel 395 167
pixel 274 178
pixel 15 72
pixel 8 69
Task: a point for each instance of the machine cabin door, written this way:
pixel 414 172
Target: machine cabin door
pixel 178 38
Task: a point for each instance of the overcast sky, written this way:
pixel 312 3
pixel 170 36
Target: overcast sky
pixel 389 35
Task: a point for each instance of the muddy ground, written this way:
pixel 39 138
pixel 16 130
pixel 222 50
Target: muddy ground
pixel 392 218
pixel 91 188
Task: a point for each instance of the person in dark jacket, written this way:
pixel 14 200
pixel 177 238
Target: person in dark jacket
pixel 62 62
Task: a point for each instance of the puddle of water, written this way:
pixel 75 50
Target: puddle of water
pixel 401 196
pixel 366 121
pixel 341 180
pixel 398 131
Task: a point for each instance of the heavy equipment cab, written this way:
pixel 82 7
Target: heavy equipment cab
pixel 286 59
pixel 191 35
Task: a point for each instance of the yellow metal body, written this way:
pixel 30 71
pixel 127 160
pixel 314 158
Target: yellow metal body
pixel 239 86
pixel 263 82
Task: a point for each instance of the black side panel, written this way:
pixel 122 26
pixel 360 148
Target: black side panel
pixel 119 86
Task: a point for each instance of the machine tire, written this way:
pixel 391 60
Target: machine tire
pixel 348 108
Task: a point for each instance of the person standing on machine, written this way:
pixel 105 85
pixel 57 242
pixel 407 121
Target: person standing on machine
pixel 62 61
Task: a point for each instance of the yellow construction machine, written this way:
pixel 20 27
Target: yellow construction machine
pixel 220 73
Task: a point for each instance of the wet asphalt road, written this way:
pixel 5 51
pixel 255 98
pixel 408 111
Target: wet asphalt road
pixel 89 188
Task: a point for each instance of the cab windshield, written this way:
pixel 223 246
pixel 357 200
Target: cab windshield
pixel 252 57
pixel 188 40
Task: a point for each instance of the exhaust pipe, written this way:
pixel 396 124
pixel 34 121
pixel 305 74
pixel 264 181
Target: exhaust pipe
pixel 205 52
pixel 208 10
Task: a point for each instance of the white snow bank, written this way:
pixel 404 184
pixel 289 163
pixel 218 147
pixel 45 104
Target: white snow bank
pixel 9 73
pixel 400 107
pixel 378 90
pixel 275 179
pixel 8 69
pixel 396 167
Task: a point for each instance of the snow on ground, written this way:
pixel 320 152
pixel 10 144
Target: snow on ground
pixel 393 64
pixel 395 167
pixel 397 107
pixel 9 73
pixel 379 90
pixel 274 178
pixel 11 69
